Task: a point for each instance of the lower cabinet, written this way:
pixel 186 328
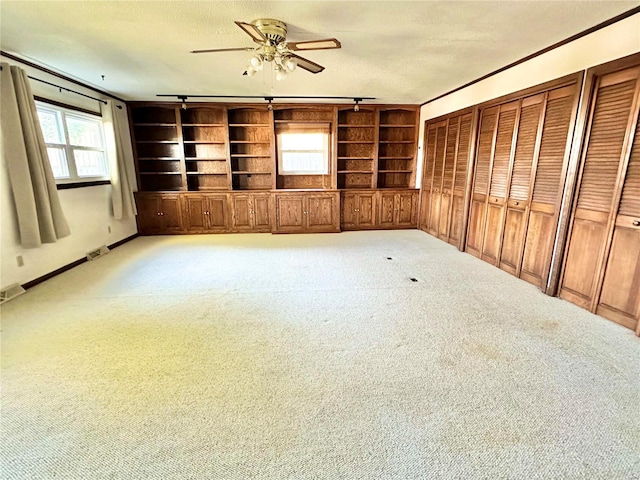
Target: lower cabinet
pixel 159 213
pixel 306 211
pixel 205 213
pixel 250 212
pixel 379 209
pixel 399 209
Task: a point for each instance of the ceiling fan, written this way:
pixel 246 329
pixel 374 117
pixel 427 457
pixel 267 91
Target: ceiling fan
pixel 270 35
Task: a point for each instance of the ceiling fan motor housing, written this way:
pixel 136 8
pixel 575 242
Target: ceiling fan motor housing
pixel 274 30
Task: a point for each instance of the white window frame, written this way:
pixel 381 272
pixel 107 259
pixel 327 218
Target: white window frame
pixel 69 148
pixel 302 128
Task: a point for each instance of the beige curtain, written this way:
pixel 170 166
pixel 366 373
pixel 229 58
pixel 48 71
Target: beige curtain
pixel 38 209
pixel 120 155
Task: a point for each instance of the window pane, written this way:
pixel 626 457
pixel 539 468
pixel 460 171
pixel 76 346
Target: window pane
pixel 84 132
pixel 58 161
pixel 303 162
pixel 50 125
pixel 303 141
pixel 90 163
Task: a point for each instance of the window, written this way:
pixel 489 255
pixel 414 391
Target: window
pixel 303 149
pixel 75 144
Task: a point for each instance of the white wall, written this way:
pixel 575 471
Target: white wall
pixel 88 209
pixel 609 43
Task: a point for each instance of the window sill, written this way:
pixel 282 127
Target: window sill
pixel 67 186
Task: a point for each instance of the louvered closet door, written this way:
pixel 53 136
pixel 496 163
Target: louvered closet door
pixel 522 176
pixel 552 159
pixel 427 176
pixel 620 296
pixel 438 170
pixel 507 123
pixel 477 209
pixel 448 169
pixel 460 179
pixel 614 111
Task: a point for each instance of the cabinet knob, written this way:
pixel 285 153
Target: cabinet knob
pixel 516 203
pixel 162 213
pixel 636 223
pixel 495 199
pixel 206 213
pixel 159 214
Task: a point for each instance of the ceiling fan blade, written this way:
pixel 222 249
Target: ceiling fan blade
pixel 253 31
pixel 325 44
pixel 213 50
pixel 308 65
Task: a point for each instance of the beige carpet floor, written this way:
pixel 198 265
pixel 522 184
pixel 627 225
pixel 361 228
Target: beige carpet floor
pixel 311 357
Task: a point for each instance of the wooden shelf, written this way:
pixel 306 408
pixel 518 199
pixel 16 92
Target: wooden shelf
pixel 396 141
pixel 175 142
pixel 394 171
pixel 248 155
pixel 160 173
pixel 243 172
pixel 346 172
pixel 344 125
pixel 206 173
pixel 249 125
pixel 168 159
pixel 355 158
pixel 205 159
pixel 391 125
pixel 396 158
pixel 203 142
pixel 203 124
pixel 357 141
pixel 259 142
pixel 155 124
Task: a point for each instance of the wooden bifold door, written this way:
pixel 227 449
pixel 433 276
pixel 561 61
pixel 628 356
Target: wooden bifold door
pixel 522 155
pixel 602 262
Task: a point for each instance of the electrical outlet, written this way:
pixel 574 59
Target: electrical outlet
pixel 20 260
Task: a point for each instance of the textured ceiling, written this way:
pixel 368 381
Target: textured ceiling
pixel 398 52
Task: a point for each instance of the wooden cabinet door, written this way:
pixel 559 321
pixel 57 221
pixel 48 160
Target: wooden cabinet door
pixel 453 128
pixel 601 264
pixel 349 210
pixel 406 209
pixel 261 212
pixel 241 212
pixel 289 213
pixel 195 213
pixel 171 213
pixel 322 213
pixel 482 175
pixel 500 166
pixel 387 209
pixel 149 218
pixel 366 206
pixel 216 213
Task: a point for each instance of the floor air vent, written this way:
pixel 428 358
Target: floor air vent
pixel 98 252
pixel 11 292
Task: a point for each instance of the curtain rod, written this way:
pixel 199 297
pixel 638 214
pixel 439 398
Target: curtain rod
pixel 68 90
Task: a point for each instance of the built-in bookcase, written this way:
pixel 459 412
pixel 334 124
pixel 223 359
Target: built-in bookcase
pixel 250 137
pixel 396 148
pixel 157 144
pixel 357 148
pixel 204 131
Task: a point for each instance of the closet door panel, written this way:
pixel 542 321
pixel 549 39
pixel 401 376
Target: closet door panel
pixel 499 180
pixel 438 170
pixel 460 180
pixel 611 111
pixel 427 177
pixel 525 157
pixel 477 210
pixel 447 177
pixel 547 189
pixel 620 296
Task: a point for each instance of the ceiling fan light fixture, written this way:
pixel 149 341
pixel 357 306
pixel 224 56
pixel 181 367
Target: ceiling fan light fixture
pixel 281 73
pixel 290 64
pixel 256 63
